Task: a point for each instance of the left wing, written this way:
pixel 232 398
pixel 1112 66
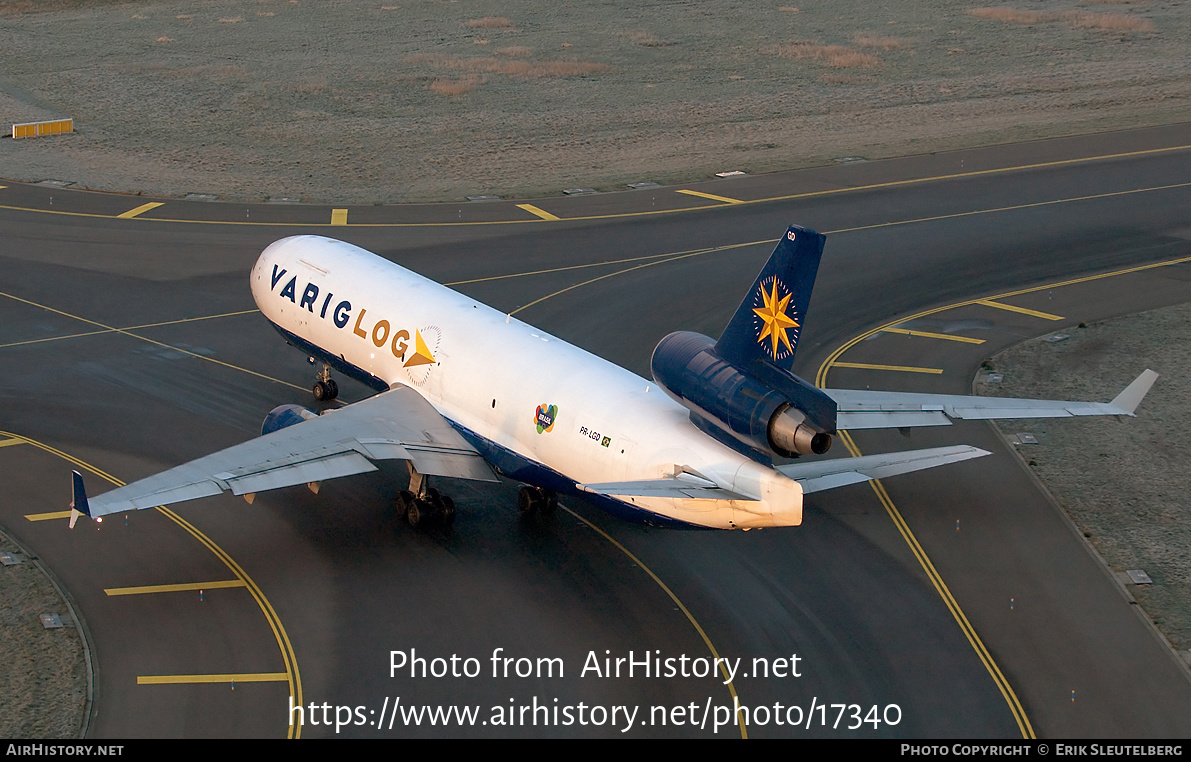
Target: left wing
pixel 398 424
pixel 863 409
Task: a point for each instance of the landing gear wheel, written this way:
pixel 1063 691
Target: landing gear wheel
pixel 528 501
pixel 402 502
pixel 325 388
pixel 447 514
pixel 417 512
pixel 549 502
pixel 325 391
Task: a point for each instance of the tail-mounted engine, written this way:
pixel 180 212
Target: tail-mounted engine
pixel 767 409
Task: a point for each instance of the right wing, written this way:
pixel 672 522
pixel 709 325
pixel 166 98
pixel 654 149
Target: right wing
pixel 395 425
pixel 864 409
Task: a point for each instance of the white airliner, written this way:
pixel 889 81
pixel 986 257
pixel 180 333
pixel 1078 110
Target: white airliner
pixel 468 392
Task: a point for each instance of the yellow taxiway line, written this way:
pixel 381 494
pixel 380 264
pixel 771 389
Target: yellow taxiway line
pixel 145 589
pixel 712 196
pixel 929 335
pixel 936 579
pixel 1021 310
pixel 537 212
pixel 140 210
pixel 7 442
pixel 338 216
pixel 243 677
pixel 900 368
pixel 47 516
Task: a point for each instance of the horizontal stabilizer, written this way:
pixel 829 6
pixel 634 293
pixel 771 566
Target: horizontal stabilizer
pixel 815 476
pixel 683 486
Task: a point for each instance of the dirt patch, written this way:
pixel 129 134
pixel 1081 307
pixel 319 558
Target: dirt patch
pixel 43 671
pixel 1125 484
pixel 216 96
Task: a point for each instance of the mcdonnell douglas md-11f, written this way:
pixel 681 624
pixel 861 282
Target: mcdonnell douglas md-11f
pixel 468 392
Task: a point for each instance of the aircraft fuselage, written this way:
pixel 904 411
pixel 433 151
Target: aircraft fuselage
pixel 539 409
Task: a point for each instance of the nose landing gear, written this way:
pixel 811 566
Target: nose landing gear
pixel 325 389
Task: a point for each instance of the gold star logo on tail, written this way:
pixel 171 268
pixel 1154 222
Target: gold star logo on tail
pixel 421 355
pixel 775 321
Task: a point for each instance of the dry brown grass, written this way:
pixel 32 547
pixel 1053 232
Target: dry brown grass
pixel 231 20
pixel 183 16
pixel 8 8
pixel 493 65
pixel 514 51
pixel 1011 15
pixel 833 55
pixel 789 9
pixel 165 39
pixel 880 41
pixel 1107 21
pixel 265 13
pixel 313 86
pixel 648 39
pixel 461 86
pixel 1112 22
pixel 491 22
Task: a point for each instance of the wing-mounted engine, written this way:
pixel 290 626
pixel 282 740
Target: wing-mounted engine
pixel 762 406
pixel 285 415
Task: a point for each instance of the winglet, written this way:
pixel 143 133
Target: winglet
pixel 1131 397
pixel 79 505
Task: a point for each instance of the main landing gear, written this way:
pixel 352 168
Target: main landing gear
pixel 533 500
pixel 325 388
pixel 427 510
pixel 424 506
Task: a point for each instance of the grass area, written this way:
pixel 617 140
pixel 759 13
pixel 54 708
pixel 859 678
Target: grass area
pixel 1077 18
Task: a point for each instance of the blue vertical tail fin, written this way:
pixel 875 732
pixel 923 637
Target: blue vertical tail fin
pixel 766 326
